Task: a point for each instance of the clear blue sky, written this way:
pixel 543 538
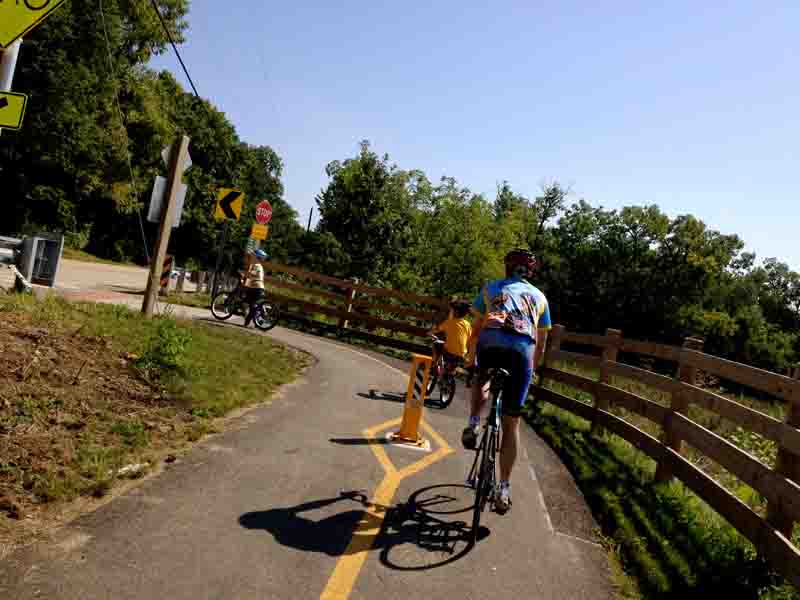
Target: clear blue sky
pixel 694 106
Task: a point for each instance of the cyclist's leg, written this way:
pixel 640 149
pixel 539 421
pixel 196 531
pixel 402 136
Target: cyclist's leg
pixel 253 295
pixel 520 367
pixel 487 355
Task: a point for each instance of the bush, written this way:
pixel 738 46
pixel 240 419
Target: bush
pixel 166 349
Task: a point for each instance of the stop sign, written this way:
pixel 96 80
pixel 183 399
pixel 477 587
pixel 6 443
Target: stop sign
pixel 263 212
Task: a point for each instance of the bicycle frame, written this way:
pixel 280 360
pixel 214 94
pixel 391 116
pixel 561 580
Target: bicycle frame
pixel 483 474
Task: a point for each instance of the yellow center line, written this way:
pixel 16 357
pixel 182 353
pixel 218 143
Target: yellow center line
pixel 344 576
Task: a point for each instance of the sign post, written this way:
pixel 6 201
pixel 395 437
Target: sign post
pixel 8 64
pixel 180 152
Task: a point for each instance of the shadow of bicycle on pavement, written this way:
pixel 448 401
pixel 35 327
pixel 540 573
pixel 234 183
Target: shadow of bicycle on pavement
pixel 427 531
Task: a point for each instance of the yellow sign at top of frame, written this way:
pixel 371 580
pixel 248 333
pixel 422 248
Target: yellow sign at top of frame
pixel 18 17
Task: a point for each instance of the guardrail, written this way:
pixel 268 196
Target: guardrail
pixel 780 486
pixel 383 316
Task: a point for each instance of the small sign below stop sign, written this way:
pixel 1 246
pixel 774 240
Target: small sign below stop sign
pixel 263 212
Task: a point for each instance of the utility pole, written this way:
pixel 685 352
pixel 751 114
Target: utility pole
pixel 309 220
pixel 178 157
pixel 8 64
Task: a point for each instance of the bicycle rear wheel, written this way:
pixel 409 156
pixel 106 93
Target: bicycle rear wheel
pixel 222 306
pixel 266 316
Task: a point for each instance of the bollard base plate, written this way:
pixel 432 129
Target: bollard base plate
pixel 419 444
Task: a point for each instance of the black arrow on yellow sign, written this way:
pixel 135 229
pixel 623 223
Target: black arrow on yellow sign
pixel 3 102
pixel 225 204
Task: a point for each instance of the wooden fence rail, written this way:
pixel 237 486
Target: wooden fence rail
pixel 357 310
pixel 779 486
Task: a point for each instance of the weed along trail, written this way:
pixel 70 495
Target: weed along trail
pixel 300 498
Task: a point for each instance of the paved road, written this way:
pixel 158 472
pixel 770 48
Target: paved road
pixel 301 499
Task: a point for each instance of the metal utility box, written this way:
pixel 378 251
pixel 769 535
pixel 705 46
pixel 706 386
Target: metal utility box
pixel 40 258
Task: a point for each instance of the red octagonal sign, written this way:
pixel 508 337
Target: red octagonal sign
pixel 263 212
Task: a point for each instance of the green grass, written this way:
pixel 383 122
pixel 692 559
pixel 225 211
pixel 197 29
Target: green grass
pixel 194 373
pixel 83 256
pixel 667 541
pixel 222 368
pixel 195 300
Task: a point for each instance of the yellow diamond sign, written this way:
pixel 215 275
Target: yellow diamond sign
pixel 18 17
pixel 229 203
pixel 12 109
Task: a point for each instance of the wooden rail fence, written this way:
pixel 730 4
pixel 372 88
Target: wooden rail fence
pixel 402 319
pixel 779 486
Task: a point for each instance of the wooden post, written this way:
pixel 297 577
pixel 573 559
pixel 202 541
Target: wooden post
pixel 554 340
pixel 788 465
pixel 553 344
pixel 178 156
pixel 349 297
pixel 610 351
pixel 678 404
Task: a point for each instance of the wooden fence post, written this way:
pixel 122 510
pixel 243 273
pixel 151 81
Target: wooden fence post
pixel 678 404
pixel 554 344
pixel 350 296
pixel 788 465
pixel 610 351
pixel 554 340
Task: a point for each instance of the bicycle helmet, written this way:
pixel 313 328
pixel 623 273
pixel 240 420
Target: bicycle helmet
pixel 260 254
pixel 521 262
pixel 460 307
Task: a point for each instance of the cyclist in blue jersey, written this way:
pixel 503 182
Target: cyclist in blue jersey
pixel 510 333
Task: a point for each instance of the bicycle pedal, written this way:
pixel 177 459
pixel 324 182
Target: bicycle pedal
pixel 471 482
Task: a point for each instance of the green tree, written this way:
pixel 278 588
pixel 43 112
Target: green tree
pixel 367 207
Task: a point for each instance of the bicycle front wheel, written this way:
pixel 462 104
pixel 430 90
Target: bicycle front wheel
pixel 447 390
pixel 485 483
pixel 266 316
pixel 222 306
pixel 433 379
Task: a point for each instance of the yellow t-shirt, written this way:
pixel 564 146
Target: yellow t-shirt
pixel 255 277
pixel 458 332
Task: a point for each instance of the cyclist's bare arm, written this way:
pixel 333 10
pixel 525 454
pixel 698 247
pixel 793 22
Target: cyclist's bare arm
pixel 541 345
pixel 477 325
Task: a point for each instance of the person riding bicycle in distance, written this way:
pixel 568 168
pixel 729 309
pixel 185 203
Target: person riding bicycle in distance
pixel 253 283
pixel 509 333
pixel 456 332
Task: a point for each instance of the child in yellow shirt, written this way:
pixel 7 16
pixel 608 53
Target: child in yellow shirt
pixel 457 332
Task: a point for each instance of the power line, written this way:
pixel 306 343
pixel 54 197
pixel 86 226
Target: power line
pixel 183 66
pixel 174 47
pixel 122 122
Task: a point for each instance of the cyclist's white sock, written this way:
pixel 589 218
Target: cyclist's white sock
pixel 474 421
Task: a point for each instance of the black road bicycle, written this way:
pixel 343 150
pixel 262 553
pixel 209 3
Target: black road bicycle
pixel 228 303
pixel 483 474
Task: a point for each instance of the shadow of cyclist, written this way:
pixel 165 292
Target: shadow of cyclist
pixel 406 523
pixel 329 535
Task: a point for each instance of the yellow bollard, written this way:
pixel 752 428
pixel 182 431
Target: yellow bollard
pixel 415 398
